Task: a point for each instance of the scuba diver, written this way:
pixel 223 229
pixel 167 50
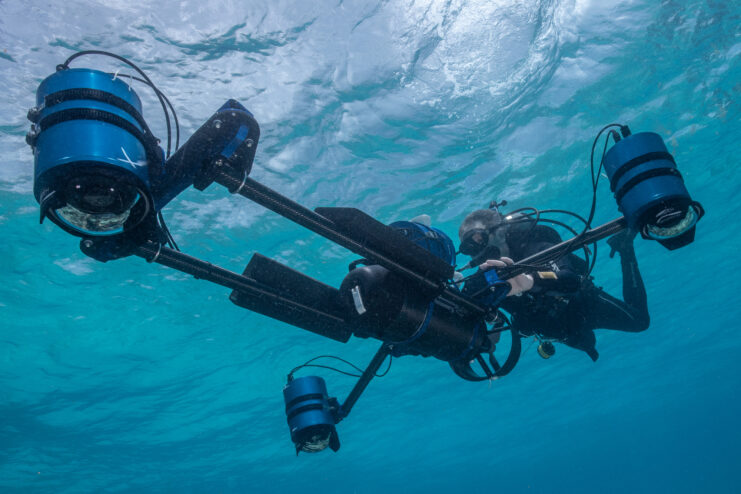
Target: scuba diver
pixel 560 303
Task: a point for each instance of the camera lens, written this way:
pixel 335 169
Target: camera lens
pixel 100 194
pixel 314 438
pixel 98 204
pixel 671 222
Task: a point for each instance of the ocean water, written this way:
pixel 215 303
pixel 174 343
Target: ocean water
pixel 129 377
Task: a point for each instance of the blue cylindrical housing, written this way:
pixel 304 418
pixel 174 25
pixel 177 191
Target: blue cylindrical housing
pixel 428 238
pixel 87 120
pixel 644 178
pixel 308 409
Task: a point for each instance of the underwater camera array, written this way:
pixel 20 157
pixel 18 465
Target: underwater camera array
pixel 100 174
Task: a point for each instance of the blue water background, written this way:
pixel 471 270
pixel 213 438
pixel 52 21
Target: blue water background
pixel 128 377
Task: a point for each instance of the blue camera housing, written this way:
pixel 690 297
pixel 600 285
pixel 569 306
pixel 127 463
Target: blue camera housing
pixel 89 119
pixel 644 178
pixel 311 418
pixel 429 238
pixel 99 171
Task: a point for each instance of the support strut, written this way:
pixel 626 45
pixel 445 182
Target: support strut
pixel 368 374
pixel 199 269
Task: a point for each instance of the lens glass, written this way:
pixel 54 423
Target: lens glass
pixel 661 233
pixel 92 223
pixel 315 438
pixel 100 194
pixel 97 205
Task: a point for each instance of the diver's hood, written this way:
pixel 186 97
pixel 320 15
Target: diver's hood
pixel 481 218
pixel 482 222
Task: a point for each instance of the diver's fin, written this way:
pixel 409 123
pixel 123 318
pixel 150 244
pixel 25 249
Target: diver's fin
pixel 302 301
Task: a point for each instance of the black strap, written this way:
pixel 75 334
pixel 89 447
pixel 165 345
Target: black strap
pixel 95 95
pixel 639 160
pixel 146 139
pixel 656 172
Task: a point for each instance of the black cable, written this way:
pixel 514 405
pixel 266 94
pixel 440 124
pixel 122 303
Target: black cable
pixel 595 182
pixel 514 221
pixel 327 356
pixel 309 364
pixel 66 63
pixel 141 72
pixel 539 219
pixel 563 211
pixel 170 238
pixel 388 368
pixel 586 249
pixel 172 109
pixel 571 230
pixel 290 376
pixel 559 223
pixel 535 211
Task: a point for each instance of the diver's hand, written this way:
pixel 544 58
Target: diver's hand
pixel 622 243
pixel 520 283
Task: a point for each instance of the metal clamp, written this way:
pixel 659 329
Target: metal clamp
pixel 244 182
pixel 157 254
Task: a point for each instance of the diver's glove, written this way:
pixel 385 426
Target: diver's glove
pixel 520 283
pixel 487 288
pixel 622 243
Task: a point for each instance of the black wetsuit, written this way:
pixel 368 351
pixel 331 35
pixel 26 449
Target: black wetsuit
pixel 570 307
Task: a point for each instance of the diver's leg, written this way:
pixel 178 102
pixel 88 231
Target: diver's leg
pixel 608 312
pixel 583 339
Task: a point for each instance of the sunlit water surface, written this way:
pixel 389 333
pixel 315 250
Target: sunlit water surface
pixel 128 377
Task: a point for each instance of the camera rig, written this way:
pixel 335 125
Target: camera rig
pixel 101 175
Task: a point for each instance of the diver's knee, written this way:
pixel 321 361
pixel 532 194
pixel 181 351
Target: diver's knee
pixel 642 324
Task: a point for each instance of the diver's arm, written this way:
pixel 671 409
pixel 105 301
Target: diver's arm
pixel 634 292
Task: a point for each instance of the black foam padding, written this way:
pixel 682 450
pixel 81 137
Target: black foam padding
pixel 375 236
pixel 305 302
